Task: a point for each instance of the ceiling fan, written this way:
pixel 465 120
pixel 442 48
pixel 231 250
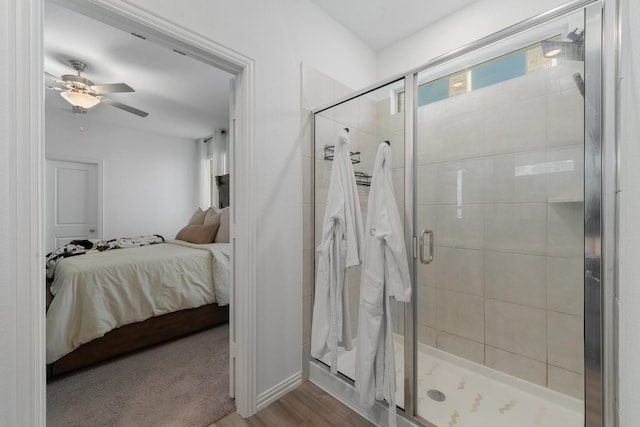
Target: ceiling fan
pixel 83 94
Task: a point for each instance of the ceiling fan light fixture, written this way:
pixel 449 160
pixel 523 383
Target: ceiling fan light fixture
pixel 80 99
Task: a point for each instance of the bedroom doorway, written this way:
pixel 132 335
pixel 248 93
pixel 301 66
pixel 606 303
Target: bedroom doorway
pixel 242 292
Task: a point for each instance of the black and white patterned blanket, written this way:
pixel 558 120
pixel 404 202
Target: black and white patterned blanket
pixel 79 247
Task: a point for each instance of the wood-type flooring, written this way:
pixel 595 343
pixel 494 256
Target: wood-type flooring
pixel 307 405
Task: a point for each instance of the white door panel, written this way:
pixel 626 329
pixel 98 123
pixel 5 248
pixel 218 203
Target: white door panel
pixel 73 198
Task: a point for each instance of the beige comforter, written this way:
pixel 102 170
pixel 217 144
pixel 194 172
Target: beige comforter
pixel 98 292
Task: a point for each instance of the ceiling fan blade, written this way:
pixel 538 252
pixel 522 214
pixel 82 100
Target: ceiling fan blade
pixel 56 88
pixel 112 87
pixel 51 76
pixel 124 107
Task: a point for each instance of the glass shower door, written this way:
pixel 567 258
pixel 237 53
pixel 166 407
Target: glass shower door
pixel 371 119
pixel 499 164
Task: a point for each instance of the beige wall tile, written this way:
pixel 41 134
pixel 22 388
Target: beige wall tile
pixel 307 273
pixel 453 107
pixel 565 174
pixel 368 147
pixel 318 219
pixel 347 113
pixel 451 182
pixel 566 382
pixel 317 88
pixel 307 227
pixel 397 178
pixel 457 138
pixel 565 230
pixel 325 133
pixel 306 139
pixel 566 118
pixel 461 314
pixel 468 349
pixel 516 178
pixel 353 287
pixel 388 122
pixel 427 272
pixel 307 312
pixel 565 341
pixel 517 328
pixel 560 77
pixel 565 285
pixel 514 127
pixel 367 115
pixel 516 278
pixel 426 335
pixel 516 90
pixel 307 182
pixel 461 227
pixel 516 365
pixel 429 185
pixel 322 175
pixel 426 217
pixel 461 270
pixel 518 227
pixel 427 306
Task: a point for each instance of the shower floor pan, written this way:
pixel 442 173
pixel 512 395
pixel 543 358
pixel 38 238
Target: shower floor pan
pixel 474 395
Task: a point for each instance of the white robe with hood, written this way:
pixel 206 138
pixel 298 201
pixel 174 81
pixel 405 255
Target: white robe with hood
pixel 340 248
pixel 385 274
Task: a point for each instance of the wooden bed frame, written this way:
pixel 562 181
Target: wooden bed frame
pixel 138 335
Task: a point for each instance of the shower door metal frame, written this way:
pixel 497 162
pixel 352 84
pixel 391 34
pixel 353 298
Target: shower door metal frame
pixel 599 230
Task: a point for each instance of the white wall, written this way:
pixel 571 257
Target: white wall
pixel 479 19
pixel 629 205
pixel 150 181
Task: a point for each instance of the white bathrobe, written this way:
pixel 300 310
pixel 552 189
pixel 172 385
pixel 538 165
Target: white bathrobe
pixel 385 274
pixel 340 248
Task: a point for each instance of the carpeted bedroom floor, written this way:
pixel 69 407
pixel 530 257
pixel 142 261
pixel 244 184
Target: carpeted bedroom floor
pixel 181 383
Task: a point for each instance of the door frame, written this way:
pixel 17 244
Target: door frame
pixel 100 208
pixel 26 50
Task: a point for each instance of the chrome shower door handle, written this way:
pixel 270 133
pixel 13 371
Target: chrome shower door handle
pixel 431 248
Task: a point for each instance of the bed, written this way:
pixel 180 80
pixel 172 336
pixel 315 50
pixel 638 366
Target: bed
pixel 105 304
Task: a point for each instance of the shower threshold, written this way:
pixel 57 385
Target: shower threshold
pixel 476 396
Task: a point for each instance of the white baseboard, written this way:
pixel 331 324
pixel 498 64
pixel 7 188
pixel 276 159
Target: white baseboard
pixel 279 390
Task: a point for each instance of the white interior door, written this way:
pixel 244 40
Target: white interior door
pixel 73 202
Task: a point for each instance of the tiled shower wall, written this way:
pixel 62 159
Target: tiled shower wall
pixel 500 181
pixel 317 89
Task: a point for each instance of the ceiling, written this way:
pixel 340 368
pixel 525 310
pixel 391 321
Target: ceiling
pixel 381 23
pixel 184 97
